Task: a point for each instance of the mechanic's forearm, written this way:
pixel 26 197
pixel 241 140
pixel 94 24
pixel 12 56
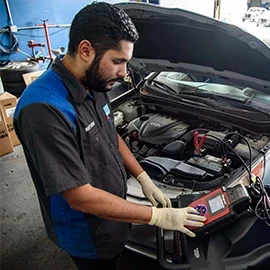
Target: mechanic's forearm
pixel 130 162
pixel 90 200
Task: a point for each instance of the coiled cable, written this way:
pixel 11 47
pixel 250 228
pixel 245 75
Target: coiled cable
pixel 14 44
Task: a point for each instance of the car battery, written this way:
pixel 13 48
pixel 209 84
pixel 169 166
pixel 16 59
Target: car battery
pixel 208 163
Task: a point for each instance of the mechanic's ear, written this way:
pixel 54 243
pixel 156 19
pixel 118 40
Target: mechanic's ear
pixel 86 51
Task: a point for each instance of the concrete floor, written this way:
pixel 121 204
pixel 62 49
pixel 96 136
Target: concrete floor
pixel 24 244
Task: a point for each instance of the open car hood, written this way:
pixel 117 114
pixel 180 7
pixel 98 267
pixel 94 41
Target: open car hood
pixel 172 39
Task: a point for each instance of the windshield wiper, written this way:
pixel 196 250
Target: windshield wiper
pixel 165 87
pixel 198 97
pixel 196 93
pixel 243 104
pixel 177 96
pixel 231 101
pixel 247 105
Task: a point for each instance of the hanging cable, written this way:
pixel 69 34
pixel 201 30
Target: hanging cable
pixel 248 145
pixel 227 145
pixel 262 209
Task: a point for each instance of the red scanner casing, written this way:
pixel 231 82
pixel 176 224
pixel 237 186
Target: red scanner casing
pixel 202 205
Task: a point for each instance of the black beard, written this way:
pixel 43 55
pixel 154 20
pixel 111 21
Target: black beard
pixel 93 80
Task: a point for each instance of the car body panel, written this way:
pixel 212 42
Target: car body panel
pixel 199 44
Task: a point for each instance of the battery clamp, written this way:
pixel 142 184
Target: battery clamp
pixel 221 207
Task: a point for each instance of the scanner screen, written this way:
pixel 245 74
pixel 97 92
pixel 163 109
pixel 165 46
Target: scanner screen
pixel 216 204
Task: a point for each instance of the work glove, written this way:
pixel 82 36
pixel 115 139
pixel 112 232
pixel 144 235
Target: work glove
pixel 151 192
pixel 176 219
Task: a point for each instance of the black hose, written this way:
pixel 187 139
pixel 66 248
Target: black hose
pixel 227 145
pixel 247 143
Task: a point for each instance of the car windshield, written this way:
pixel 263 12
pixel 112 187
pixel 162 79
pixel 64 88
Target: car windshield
pixel 186 83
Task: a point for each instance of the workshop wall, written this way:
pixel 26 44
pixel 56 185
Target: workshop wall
pixel 28 13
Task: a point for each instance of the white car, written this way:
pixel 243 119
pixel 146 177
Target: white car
pixel 264 18
pixel 252 14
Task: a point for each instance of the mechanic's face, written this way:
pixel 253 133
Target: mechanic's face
pixel 102 74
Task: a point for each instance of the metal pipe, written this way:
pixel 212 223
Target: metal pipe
pixel 47 39
pixel 18 50
pixel 41 26
pixel 9 13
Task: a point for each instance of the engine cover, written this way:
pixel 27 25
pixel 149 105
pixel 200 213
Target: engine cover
pixel 160 129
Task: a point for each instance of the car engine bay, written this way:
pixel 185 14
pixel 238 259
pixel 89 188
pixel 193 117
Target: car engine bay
pixel 186 152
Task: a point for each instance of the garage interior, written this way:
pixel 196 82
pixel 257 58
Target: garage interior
pixel 24 244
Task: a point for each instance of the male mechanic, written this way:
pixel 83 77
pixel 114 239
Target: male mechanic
pixel 77 160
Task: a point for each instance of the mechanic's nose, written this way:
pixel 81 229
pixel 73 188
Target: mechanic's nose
pixel 122 72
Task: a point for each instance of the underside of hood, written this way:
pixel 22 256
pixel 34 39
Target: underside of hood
pixel 172 39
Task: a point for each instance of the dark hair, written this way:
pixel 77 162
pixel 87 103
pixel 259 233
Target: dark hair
pixel 104 25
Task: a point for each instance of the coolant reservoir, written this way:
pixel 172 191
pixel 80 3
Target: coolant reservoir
pixel 118 118
pixel 129 110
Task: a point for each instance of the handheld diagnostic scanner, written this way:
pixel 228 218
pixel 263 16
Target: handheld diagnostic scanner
pixel 221 207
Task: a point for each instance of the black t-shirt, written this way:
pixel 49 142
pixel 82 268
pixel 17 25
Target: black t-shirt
pixel 69 140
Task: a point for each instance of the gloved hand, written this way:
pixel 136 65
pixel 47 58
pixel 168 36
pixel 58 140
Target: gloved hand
pixel 151 192
pixel 176 219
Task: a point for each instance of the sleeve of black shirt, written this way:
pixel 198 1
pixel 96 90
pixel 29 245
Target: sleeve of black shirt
pixel 49 141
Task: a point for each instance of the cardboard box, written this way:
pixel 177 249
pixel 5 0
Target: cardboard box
pixel 8 104
pixel 31 76
pixel 5 138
